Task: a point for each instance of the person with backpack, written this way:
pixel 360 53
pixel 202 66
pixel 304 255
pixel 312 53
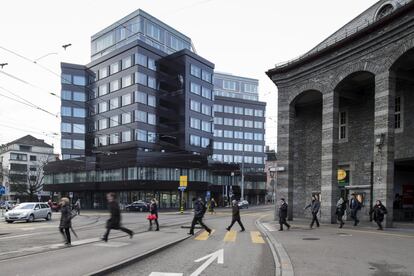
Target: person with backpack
pixel 340 211
pixel 355 206
pixel 236 216
pixel 199 211
pixel 315 205
pixel 283 212
pixel 154 213
pixel 65 220
pixel 379 211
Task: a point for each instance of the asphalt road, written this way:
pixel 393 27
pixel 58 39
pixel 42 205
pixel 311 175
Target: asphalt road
pixel 243 253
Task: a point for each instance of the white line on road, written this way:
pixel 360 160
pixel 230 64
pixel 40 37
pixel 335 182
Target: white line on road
pixel 165 274
pixel 219 254
pixel 269 227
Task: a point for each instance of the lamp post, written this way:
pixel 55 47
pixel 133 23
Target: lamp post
pixel 272 172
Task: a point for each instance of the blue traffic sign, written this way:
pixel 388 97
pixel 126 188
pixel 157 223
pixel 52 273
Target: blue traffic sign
pixel 2 190
pixel 182 188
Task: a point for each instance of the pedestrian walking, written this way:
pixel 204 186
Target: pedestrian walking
pixel 379 211
pixel 235 216
pixel 65 220
pixel 355 206
pixel 315 205
pixel 114 222
pixel 77 206
pixel 154 214
pixel 212 205
pixel 340 211
pixel 199 211
pixel 283 211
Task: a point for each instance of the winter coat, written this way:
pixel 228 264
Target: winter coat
pixel 154 209
pixel 66 217
pixel 315 206
pixel 340 210
pixel 115 220
pixel 236 211
pixel 283 210
pixel 379 212
pixel 354 204
pixel 199 209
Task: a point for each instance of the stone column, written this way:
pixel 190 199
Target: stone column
pixel 329 171
pixel 284 180
pixel 384 142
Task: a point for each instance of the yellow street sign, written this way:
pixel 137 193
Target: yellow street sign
pixel 183 181
pixel 341 174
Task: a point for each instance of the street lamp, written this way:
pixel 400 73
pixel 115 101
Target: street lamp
pixel 272 172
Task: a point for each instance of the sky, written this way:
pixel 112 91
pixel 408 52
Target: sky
pixel 241 37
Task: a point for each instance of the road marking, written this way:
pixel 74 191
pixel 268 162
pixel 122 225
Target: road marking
pixel 230 236
pixel 256 237
pixel 219 254
pixel 204 236
pixel 165 274
pixel 111 244
pixel 269 227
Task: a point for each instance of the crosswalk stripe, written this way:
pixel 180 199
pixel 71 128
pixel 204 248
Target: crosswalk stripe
pixel 230 236
pixel 204 236
pixel 256 237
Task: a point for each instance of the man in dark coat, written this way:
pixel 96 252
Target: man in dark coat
pixel 355 206
pixel 199 211
pixel 340 211
pixel 315 205
pixel 114 222
pixel 379 211
pixel 283 211
pixel 235 216
pixel 65 220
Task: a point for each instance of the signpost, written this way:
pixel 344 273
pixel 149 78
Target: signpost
pixel 182 187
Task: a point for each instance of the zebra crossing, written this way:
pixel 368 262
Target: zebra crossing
pixel 231 236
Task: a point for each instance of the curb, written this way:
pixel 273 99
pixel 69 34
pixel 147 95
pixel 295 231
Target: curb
pixel 131 260
pixel 283 264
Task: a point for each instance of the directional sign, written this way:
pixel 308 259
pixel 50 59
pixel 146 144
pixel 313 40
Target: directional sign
pixel 183 181
pixel 182 188
pixel 2 190
pixel 219 255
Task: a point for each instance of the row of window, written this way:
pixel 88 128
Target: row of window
pixel 238 122
pixel 73 144
pixel 201 90
pixel 227 158
pixel 71 156
pixel 231 85
pixel 139 97
pixel 200 124
pixel 73 112
pixel 201 108
pixel 72 128
pixel 238 134
pixel 73 79
pixel 73 96
pixel 198 141
pixel 126 136
pixel 238 110
pixel 237 95
pixel 126 118
pixel 237 147
pixel 125 63
pixel 201 74
pixel 21 157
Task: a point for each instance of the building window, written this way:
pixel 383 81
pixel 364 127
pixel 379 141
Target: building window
pixel 218 133
pixel 238 134
pixel 114 103
pixel 103 107
pixel 248 111
pixel 141 59
pixel 141 78
pixel 258 124
pixel 66 144
pixel 206 109
pixel 248 135
pixel 79 144
pixel 114 121
pixel 152 101
pixel 66 111
pixel 238 159
pixel 228 121
pixel 206 76
pixel 127 81
pixel 195 71
pixel 114 138
pixel 126 62
pixel 258 148
pixel 343 125
pixel 228 109
pixel 141 116
pixel 114 68
pixel 66 78
pixel 114 85
pixel 248 123
pixel 79 80
pixel 153 31
pixel 218 145
pixel 205 142
pixel 228 146
pixel 218 108
pixel 206 126
pixel 140 97
pixel 79 96
pixel 258 160
pixel 238 147
pixel 66 127
pixel 103 89
pixel 33 157
pixel 228 158
pixel 229 85
pixel 126 99
pixel 151 64
pixel 248 147
pixel 152 82
pixel 194 123
pixel 103 124
pixel 195 106
pixel 103 140
pixel 79 112
pixel 258 136
pixel 66 95
pixel 103 72
pixel 398 113
pixel 238 110
pixel 218 157
pixel 206 93
pixel 141 135
pixel 228 134
pixel 151 119
pixel 152 137
pixel 238 122
pixel 258 113
pixel 195 88
pixel 218 120
pixel 79 128
pixel 251 88
pixel 195 140
pixel 126 118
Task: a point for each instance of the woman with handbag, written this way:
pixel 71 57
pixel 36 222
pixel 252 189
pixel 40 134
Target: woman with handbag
pixel 379 211
pixel 154 215
pixel 65 220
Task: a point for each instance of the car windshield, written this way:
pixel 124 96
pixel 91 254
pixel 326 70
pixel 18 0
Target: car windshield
pixel 24 206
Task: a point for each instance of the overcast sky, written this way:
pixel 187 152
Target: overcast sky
pixel 241 37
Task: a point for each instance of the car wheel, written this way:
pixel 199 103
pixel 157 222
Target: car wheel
pixel 9 221
pixel 49 216
pixel 31 218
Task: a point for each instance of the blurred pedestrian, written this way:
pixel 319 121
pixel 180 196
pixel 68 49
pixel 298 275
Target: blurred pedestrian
pixel 114 222
pixel 355 206
pixel 199 211
pixel 212 206
pixel 379 211
pixel 77 206
pixel 65 219
pixel 154 213
pixel 315 205
pixel 340 211
pixel 236 216
pixel 283 212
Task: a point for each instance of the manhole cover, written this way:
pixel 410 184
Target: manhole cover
pixel 310 239
pixel 344 234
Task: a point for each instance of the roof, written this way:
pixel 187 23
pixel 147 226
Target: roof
pixel 29 140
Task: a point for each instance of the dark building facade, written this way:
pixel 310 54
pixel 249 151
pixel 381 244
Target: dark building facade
pixel 148 119
pixel 345 123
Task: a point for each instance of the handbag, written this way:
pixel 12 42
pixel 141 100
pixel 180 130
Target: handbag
pixel 151 217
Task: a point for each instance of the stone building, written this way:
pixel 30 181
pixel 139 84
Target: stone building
pixel 344 116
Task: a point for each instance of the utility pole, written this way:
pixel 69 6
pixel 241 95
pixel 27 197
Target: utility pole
pixel 242 178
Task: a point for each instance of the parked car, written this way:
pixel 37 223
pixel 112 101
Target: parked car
pixel 139 206
pixel 29 211
pixel 243 204
pixel 8 204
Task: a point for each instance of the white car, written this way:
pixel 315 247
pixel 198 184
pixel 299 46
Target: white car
pixel 29 211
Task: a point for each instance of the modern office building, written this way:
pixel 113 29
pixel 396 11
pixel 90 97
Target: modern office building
pixel 146 118
pixel 345 122
pixel 22 163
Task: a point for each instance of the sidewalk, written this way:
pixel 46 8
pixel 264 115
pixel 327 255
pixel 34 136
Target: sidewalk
pixel 328 250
